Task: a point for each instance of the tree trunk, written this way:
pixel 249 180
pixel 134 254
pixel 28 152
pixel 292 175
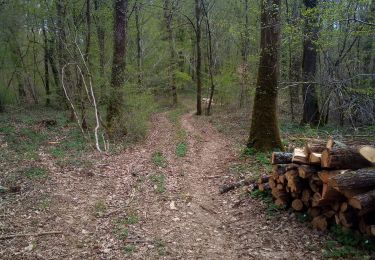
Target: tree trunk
pixel 210 59
pixel 88 34
pixel 245 50
pixel 199 55
pixel 101 42
pixel 294 69
pixel 46 68
pixel 139 47
pixel 116 101
pixel 168 16
pixel 61 50
pixel 310 105
pixel 264 133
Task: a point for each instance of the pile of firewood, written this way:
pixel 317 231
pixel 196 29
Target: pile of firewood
pixel 331 181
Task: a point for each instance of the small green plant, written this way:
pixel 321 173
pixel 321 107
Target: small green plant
pixel 35 173
pixel 57 152
pixel 347 244
pixel 44 204
pixel 181 149
pixel 160 247
pixel 262 158
pixel 158 159
pixel 129 249
pixel 159 181
pixel 132 219
pixel 248 151
pixel 100 208
pixel 123 233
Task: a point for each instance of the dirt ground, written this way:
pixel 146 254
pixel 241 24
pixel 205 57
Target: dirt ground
pixel 149 203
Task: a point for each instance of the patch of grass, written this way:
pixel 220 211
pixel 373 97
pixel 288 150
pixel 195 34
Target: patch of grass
pixel 44 204
pixel 347 244
pixel 263 158
pixel 158 159
pixel 160 247
pixel 7 129
pixel 129 249
pixel 132 219
pixel 181 135
pixel 58 152
pixel 159 181
pixel 36 173
pixel 181 149
pixel 248 151
pixel 100 208
pixel 123 233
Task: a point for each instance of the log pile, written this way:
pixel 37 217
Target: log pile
pixel 332 182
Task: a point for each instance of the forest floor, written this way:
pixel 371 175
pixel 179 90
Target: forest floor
pixel 158 199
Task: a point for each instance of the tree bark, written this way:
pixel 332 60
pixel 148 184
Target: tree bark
pixel 199 55
pixel 46 68
pixel 344 158
pixel 264 133
pixel 245 50
pixel 115 119
pixel 353 180
pixel 139 43
pixel 101 42
pixel 311 113
pixel 168 16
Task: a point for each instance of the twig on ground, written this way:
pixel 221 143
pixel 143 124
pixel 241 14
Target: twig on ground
pixel 232 186
pixel 30 234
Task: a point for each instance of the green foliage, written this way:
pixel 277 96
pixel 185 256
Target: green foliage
pixel 129 249
pixel 140 105
pixel 263 158
pixel 100 208
pixel 158 159
pixel 35 173
pixel 248 151
pixel 347 244
pixel 132 219
pixel 160 247
pixel 159 182
pixel 181 149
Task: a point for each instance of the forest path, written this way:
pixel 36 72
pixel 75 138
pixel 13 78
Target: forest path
pixel 191 220
pixel 146 202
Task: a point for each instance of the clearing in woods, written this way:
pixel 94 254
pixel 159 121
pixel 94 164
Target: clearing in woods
pixel 152 201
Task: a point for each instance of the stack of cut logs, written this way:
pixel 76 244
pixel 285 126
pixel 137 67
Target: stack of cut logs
pixel 331 181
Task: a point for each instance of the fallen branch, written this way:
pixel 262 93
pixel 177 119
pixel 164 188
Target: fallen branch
pixel 236 185
pixel 30 234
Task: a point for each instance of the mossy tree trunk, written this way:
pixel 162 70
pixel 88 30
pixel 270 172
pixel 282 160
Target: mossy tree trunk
pixel 115 119
pixel 264 133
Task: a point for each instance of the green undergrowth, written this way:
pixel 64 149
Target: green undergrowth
pixel 158 159
pixel 348 244
pixel 174 117
pixel 27 136
pixel 158 180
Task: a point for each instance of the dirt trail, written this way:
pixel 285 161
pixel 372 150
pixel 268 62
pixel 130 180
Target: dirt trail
pixel 127 206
